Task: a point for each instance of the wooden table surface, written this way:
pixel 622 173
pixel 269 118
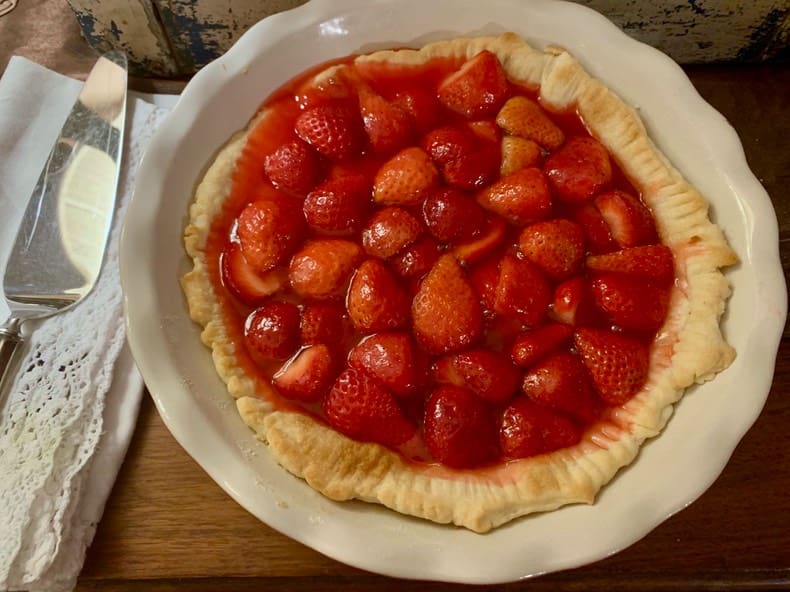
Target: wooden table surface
pixel 168 526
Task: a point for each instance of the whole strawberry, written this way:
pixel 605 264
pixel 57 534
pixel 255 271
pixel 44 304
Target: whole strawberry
pixel 294 167
pixel 579 169
pixel 376 300
pixel 359 407
pixel 338 205
pixel 556 246
pixel 393 360
pixel 459 429
pixel 477 89
pixel 528 429
pixel 332 129
pixel 269 231
pixel 322 267
pixel 308 375
pixel 271 331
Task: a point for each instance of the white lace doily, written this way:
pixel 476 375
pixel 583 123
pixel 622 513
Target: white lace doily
pixel 57 459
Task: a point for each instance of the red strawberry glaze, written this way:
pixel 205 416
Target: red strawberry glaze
pixel 250 183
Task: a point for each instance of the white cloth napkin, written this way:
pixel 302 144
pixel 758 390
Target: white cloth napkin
pixel 67 419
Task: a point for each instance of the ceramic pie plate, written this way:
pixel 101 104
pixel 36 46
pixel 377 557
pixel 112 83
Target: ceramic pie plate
pixel 670 472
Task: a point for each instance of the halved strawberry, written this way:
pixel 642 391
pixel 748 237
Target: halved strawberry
pixel 294 167
pixel 393 360
pixel 521 197
pixel 631 303
pixel 560 382
pixel 522 117
pixel 599 238
pixel 269 231
pixel 630 221
pixel 484 243
pixel 618 364
pixel 337 88
pixel 485 277
pixel 572 302
pixel 389 231
pixel 448 143
pixel 556 246
pixel 339 205
pixel 445 311
pixel 650 262
pixel 421 104
pixel 579 169
pixel 527 429
pixel 308 375
pixel 451 216
pixel 376 301
pixel 486 130
pixel 523 291
pixel 518 153
pixel 388 126
pixel 459 429
pixel 359 407
pixel 406 178
pixel 271 331
pixel 475 169
pixel 489 375
pixel 417 259
pixel 322 322
pixel 477 89
pixel 244 282
pixel 531 346
pixel 322 267
pixel 333 129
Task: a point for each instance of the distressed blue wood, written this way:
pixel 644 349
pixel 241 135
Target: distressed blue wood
pixel 178 37
pixel 131 25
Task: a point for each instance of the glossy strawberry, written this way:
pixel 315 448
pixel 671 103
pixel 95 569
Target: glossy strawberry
pixel 446 313
pixel 522 117
pixel 339 205
pixel 523 291
pixel 459 429
pixel 448 143
pixel 376 300
pixel 489 375
pixel 359 407
pixel 271 331
pixel 417 259
pixel 451 216
pixel 572 302
pixel 618 364
pixel 475 169
pixel 527 429
pixel 389 231
pixel 406 178
pixel 518 153
pixel 521 197
pixel 477 89
pixel 650 262
pixel 322 322
pixel 308 375
pixel 596 230
pixel 484 243
pixel 269 231
pixel 393 360
pixel 579 169
pixel 333 129
pixel 631 303
pixel 388 126
pixel 421 104
pixel 294 167
pixel 561 382
pixel 630 221
pixel 485 277
pixel 486 130
pixel 322 267
pixel 556 246
pixel 531 346
pixel 246 284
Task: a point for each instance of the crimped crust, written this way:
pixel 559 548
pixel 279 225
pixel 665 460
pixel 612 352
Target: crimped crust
pixel 689 348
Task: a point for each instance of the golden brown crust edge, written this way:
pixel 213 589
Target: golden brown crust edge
pixel 344 469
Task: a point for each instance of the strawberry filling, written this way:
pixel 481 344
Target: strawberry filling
pixel 426 258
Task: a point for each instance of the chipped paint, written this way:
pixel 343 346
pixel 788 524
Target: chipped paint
pixel 178 37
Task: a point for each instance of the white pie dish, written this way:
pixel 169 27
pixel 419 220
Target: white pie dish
pixel 669 473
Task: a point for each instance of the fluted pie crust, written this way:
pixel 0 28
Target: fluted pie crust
pixel 688 349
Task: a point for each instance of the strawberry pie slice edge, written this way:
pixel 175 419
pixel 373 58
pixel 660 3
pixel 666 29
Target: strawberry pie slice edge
pixel 689 348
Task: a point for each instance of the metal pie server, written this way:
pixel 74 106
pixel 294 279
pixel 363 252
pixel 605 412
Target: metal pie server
pixel 60 244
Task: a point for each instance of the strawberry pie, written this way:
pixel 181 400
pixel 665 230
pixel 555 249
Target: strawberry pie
pixel 459 281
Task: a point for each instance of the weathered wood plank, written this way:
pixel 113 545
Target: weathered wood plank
pixel 166 37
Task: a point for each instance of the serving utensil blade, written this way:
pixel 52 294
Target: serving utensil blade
pixel 59 247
